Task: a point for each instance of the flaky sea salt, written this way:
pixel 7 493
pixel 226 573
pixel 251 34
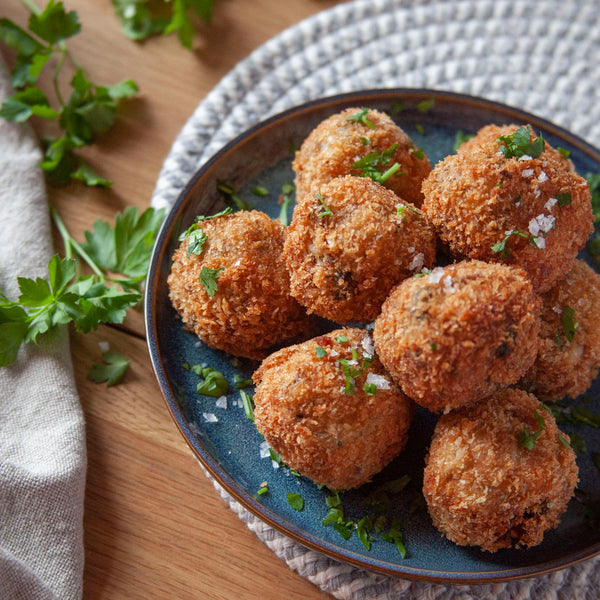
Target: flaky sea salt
pixel 221 402
pixel 527 172
pixel 210 417
pixel 417 262
pixel 379 381
pixel 368 346
pixel 436 275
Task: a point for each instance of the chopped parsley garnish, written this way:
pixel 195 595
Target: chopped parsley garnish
pixel 528 439
pixel 419 153
pixel 197 237
pixel 320 352
pixel 262 490
pixel 425 105
pixel 372 163
pixel 196 240
pixel 563 152
pixel 326 210
pixel 208 278
pixel 395 536
pixel 567 320
pixel 350 373
pixel 261 191
pixel 397 107
pixel 500 247
pixel 564 199
pixel 370 389
pixel 593 180
pixel 574 415
pixel 213 382
pixel 518 144
pixel 240 382
pixel 361 117
pixel 287 189
pixel 111 371
pixel 341 339
pixel 433 346
pixel 363 530
pixel 296 501
pixel 232 195
pixel 365 141
pixel 420 128
pixel 248 405
pixel 460 138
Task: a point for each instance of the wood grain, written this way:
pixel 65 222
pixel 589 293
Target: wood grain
pixel 154 526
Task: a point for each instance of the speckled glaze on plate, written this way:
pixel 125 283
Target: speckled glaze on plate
pixel 230 447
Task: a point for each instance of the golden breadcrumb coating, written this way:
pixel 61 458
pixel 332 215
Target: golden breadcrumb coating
pixel 569 349
pixel 484 488
pixel 323 424
pixel 346 249
pixel 252 309
pixel 337 143
pixel 456 335
pixel 477 197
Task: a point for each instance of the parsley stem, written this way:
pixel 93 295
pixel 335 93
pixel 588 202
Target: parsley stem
pixel 57 69
pixel 70 244
pixel 31 6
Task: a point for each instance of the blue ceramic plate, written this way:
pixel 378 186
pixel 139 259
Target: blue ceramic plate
pixel 227 443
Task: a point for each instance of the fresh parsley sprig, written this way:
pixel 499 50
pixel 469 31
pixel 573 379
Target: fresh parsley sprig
pixel 90 109
pixel 141 19
pixel 68 295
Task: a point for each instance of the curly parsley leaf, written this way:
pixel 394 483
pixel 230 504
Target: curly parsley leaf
pixel 361 117
pixel 296 501
pixel 111 371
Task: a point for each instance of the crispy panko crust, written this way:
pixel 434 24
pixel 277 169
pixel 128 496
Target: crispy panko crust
pixel 336 439
pixel 476 196
pixel 343 265
pixel 456 335
pixel 337 143
pixel 483 488
pixel 562 367
pixel 251 310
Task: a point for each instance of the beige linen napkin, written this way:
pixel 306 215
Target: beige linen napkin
pixel 42 439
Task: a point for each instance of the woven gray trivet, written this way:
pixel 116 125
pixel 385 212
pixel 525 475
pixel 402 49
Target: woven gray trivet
pixel 541 56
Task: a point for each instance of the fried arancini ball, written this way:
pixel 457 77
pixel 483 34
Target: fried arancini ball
pixel 484 487
pixel 348 247
pixel 456 335
pixel 330 410
pixel 251 309
pixel 332 148
pixel 533 213
pixel 569 348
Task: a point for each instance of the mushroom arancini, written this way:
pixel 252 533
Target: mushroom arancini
pixel 493 201
pixel 364 137
pixel 350 245
pixel 330 410
pixel 458 334
pixel 232 288
pixel 491 481
pixel 569 348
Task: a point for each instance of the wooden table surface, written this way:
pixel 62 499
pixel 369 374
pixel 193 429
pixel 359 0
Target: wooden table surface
pixel 154 526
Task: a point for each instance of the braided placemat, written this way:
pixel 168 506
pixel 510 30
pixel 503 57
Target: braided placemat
pixel 539 56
